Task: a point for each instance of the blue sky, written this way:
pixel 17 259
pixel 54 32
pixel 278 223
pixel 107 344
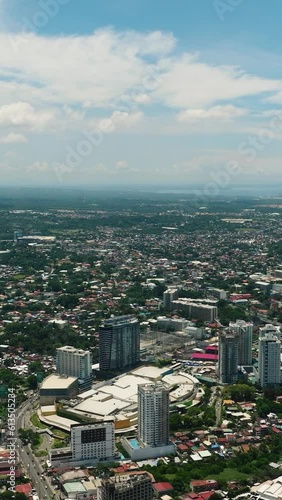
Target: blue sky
pixel 132 91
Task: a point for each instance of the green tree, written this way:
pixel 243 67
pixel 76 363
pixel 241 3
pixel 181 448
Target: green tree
pixel 9 495
pixel 32 382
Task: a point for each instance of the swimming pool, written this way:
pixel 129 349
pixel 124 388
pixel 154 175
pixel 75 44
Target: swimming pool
pixel 134 444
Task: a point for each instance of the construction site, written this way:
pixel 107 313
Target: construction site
pixel 157 343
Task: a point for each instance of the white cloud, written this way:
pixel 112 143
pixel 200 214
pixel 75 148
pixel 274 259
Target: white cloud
pixel 142 99
pixel 227 112
pixel 189 83
pixel 96 70
pixel 141 82
pixel 23 114
pixel 38 166
pixel 13 138
pixel 100 167
pixel 154 43
pixel 124 120
pixel 118 121
pixel 276 98
pixel 121 165
pixel 79 69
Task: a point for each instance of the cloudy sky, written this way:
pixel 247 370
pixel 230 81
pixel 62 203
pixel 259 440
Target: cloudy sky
pixel 140 92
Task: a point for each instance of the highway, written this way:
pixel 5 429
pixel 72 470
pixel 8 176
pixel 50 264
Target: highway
pixel 31 464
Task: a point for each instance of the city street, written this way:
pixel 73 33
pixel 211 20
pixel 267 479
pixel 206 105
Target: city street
pixel 31 464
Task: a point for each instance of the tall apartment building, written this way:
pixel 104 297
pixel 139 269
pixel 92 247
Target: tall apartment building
pixel 269 328
pixel 228 357
pixel 153 414
pixel 75 363
pixel 197 310
pixel 245 332
pixel 168 296
pixel 269 361
pixel 94 441
pixel 119 343
pixel 131 486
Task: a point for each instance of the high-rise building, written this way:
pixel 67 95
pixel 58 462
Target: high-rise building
pixel 119 343
pixel 131 486
pixel 75 363
pixel 153 414
pixel 90 444
pixel 168 296
pixel 269 328
pixel 245 333
pixel 94 441
pixel 228 357
pixel 269 361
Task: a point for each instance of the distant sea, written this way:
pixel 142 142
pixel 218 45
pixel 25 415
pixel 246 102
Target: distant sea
pixel 232 191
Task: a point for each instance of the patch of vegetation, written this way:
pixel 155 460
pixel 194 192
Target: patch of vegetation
pixel 122 450
pixel 36 422
pixel 41 453
pixel 57 443
pixel 61 434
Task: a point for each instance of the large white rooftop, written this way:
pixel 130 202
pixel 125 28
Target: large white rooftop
pixel 151 372
pixel 102 408
pixel 125 388
pixel 269 489
pixel 57 382
pixel 56 421
pixel 118 397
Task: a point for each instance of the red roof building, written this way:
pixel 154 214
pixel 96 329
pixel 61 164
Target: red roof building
pixel 203 485
pixel 24 488
pixel 162 488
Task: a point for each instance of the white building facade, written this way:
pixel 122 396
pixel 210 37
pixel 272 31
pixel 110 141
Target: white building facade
pixel 93 441
pixel 153 414
pixel 75 363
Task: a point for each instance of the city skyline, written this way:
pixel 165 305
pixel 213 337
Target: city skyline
pixel 126 93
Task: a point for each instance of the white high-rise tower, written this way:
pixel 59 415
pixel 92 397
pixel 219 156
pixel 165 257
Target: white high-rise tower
pixel 75 363
pixel 153 414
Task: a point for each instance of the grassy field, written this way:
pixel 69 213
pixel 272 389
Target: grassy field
pixel 36 422
pixel 41 453
pixel 60 434
pixel 229 474
pixel 188 403
pixel 57 443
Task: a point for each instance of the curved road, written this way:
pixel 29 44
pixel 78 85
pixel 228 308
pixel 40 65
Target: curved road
pixel 31 464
